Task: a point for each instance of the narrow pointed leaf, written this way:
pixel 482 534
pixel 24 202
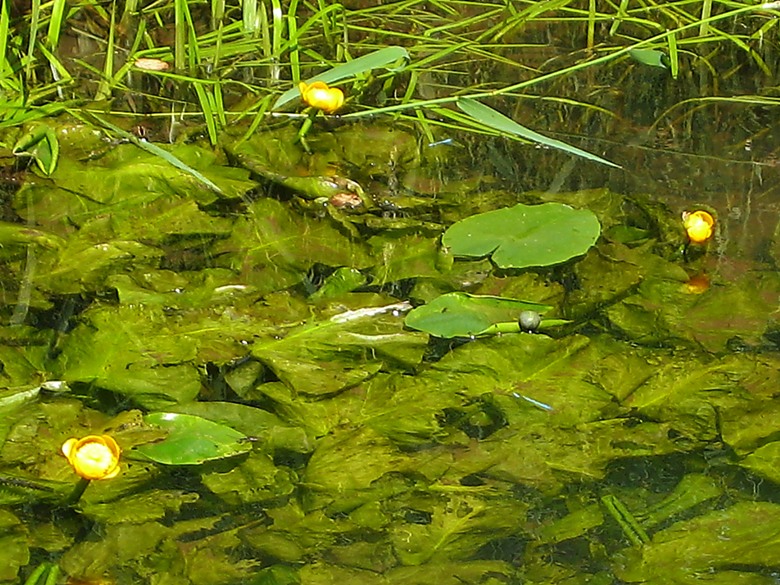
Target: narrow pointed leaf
pixel 498 121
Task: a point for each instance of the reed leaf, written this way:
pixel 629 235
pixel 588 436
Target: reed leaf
pixel 498 121
pixel 147 146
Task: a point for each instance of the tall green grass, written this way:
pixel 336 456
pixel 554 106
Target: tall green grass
pixel 232 58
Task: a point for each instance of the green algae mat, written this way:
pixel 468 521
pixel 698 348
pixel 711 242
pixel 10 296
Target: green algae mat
pixel 313 366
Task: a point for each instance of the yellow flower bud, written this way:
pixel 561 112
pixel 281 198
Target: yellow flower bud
pixel 319 95
pixel 93 457
pixel 698 225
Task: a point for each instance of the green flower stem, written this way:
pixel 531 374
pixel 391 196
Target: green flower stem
pixel 54 574
pixel 301 137
pixel 51 577
pixel 631 527
pixel 36 574
pixel 77 492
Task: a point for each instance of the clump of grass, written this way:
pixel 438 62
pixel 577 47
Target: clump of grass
pixel 230 61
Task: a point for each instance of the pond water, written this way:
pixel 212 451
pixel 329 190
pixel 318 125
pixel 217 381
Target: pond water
pixel 240 332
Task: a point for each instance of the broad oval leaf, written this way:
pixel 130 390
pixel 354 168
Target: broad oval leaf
pixel 525 235
pixel 192 440
pixel 381 58
pixel 463 315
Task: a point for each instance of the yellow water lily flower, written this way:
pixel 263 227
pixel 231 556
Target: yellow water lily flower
pixel 698 225
pixel 93 457
pixel 318 95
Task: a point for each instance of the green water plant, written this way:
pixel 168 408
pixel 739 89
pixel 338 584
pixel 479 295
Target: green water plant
pixel 41 144
pixel 44 574
pixel 463 315
pixel 192 440
pixel 525 235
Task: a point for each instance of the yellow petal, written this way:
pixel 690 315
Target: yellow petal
pixel 67 446
pixel 318 95
pixel 93 457
pixel 698 225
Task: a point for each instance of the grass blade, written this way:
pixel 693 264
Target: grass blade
pixel 4 21
pixel 674 57
pixel 148 147
pixel 180 34
pixel 35 14
pixel 104 89
pixel 498 121
pixel 208 112
pixel 55 24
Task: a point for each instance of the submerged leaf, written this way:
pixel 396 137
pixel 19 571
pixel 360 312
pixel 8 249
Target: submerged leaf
pixel 134 351
pixel 458 528
pixel 743 535
pixel 255 480
pixel 274 247
pixel 325 357
pixel 765 461
pixel 14 547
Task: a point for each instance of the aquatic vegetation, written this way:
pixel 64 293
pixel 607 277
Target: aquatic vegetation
pixel 93 457
pixel 44 574
pixel 191 440
pixel 418 348
pixel 462 315
pixel 525 235
pixel 698 226
pixel 318 95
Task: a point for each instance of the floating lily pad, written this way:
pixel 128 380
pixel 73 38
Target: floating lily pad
pixel 525 235
pixel 192 440
pixel 463 315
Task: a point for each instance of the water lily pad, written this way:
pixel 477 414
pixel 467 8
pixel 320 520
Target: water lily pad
pixel 525 235
pixel 463 315
pixel 192 440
